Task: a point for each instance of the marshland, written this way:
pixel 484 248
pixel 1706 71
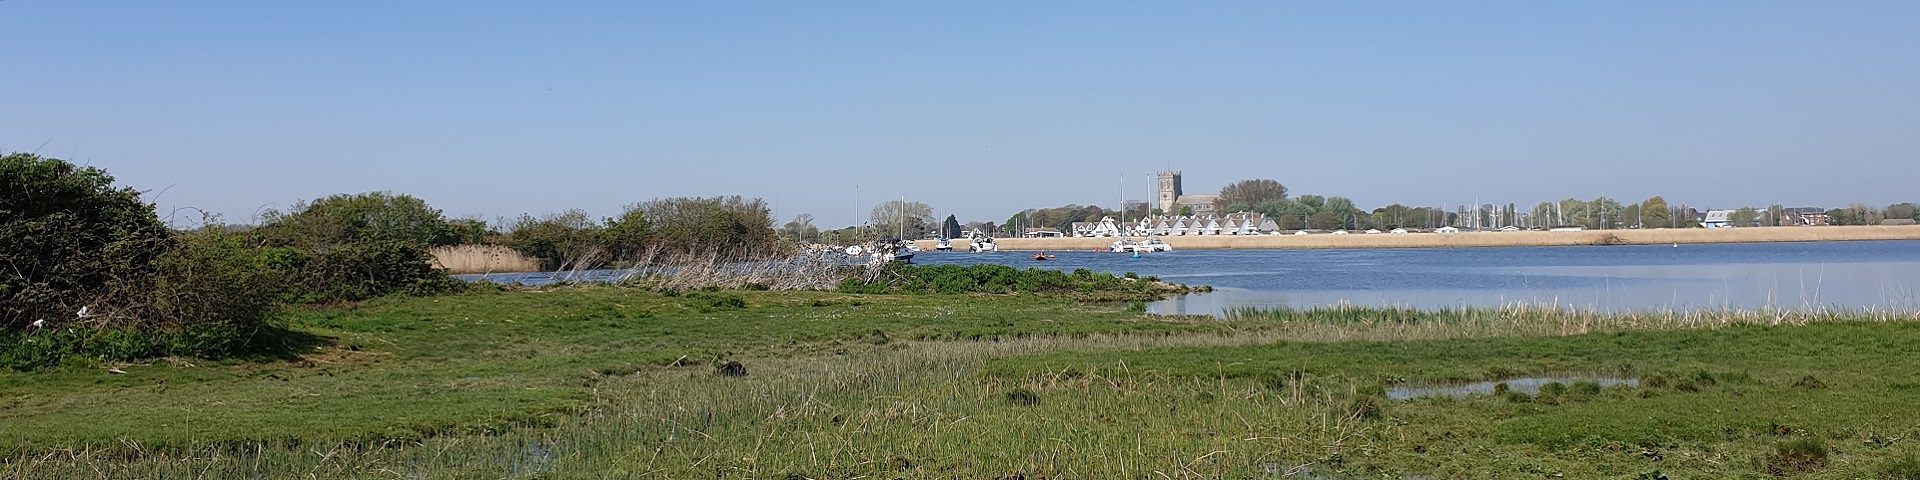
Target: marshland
pixel 325 343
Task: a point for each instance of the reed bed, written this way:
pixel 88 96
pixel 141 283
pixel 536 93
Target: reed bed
pixel 1350 322
pixel 466 259
pixel 802 271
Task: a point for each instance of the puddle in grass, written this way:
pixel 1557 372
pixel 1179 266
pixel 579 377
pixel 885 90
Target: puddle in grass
pixel 1527 385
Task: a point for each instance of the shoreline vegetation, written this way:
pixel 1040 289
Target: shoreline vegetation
pixel 471 259
pixel 1482 239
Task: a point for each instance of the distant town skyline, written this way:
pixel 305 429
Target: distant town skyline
pixel 980 110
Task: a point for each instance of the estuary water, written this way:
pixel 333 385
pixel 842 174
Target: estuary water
pixel 1855 275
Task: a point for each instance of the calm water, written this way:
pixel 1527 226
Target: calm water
pixel 1801 275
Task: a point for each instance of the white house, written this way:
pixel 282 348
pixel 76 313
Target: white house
pixel 1718 219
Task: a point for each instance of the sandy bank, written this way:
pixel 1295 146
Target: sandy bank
pixel 1486 239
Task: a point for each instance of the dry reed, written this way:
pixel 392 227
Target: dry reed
pixel 463 259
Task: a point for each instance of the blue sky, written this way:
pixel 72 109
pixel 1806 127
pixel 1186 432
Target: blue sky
pixel 493 109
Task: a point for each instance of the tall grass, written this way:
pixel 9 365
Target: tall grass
pixel 1349 322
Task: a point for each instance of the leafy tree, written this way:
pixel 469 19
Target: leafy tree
pixel 67 236
pixel 1744 217
pixel 951 228
pixel 731 227
pixel 1290 222
pixel 1605 212
pixel 562 240
pixel 1775 215
pixel 1315 202
pixel 1903 210
pixel 1186 210
pixel 364 217
pixel 1343 209
pixel 1324 221
pixel 625 238
pixel 1654 213
pixel 1246 193
pixel 1630 215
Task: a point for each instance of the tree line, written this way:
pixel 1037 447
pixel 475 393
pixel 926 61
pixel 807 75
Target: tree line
pixel 1271 199
pixel 92 270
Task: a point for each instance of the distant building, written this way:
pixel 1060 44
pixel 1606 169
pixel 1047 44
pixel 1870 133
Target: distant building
pixel 1106 227
pixel 1042 233
pixel 1239 223
pixel 1806 216
pixel 1172 197
pixel 1718 219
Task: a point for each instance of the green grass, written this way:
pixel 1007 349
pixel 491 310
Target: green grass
pixel 404 368
pixel 596 382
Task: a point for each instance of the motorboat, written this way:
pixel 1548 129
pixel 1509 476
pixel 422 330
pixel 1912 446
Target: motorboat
pixel 1123 246
pixel 891 250
pixel 981 245
pixel 943 246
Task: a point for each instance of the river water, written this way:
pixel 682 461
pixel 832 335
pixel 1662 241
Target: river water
pixel 1856 275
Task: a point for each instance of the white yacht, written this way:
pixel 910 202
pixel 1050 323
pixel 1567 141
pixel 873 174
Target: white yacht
pixel 981 244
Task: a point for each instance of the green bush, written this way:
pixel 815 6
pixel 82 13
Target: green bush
pixel 990 278
pixel 68 239
pixel 361 271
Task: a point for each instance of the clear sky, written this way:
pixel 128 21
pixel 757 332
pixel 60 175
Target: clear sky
pixel 980 109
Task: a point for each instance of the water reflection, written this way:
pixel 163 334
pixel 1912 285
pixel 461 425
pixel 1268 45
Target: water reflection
pixel 1527 385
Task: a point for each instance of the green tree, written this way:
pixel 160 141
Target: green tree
pixel 950 228
pixel 1775 215
pixel 625 238
pixel 363 217
pixel 1744 217
pixel 565 240
pixel 1314 202
pixel 1246 193
pixel 1343 209
pixel 67 237
pixel 1324 221
pixel 1903 210
pixel 1654 213
pixel 730 227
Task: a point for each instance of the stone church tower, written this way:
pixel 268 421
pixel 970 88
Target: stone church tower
pixel 1169 192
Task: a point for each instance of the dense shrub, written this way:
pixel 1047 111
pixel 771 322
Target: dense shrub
pixel 68 238
pixel 990 278
pixel 361 271
pixel 358 218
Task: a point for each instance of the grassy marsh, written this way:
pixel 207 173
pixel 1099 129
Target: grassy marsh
pixel 602 381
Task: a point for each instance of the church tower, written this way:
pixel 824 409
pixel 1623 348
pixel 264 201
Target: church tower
pixel 1169 192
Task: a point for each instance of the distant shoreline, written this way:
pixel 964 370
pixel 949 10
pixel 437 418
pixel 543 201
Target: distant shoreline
pixel 1481 239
